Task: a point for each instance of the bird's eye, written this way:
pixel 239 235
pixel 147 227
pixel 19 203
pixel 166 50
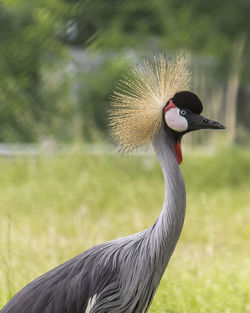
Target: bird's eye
pixel 183 112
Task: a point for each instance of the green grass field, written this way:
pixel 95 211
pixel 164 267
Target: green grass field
pixel 54 207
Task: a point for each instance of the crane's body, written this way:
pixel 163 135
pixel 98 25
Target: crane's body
pixel 121 276
pixel 101 279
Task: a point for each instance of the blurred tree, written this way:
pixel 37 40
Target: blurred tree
pixel 28 31
pixel 207 27
pixel 35 90
pixel 94 96
pixel 213 29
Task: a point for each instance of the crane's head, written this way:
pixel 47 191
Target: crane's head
pixel 182 114
pixel 151 97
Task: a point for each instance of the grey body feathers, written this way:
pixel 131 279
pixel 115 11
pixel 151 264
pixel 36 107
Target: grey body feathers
pixel 122 275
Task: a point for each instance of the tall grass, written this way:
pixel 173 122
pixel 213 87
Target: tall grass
pixel 54 207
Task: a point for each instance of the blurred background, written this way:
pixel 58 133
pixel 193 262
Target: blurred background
pixel 62 188
pixel 59 61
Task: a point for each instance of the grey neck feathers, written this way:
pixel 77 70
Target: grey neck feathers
pixel 166 230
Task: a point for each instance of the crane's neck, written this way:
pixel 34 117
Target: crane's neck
pixel 167 228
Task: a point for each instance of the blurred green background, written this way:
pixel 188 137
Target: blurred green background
pixel 62 188
pixel 59 61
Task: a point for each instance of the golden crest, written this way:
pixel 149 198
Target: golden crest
pixel 136 107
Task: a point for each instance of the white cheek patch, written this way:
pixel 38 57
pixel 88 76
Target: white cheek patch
pixel 175 121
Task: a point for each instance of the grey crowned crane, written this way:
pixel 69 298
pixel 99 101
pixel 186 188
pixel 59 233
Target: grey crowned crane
pixel 151 105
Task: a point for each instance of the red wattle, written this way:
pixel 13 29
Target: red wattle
pixel 178 152
pixel 177 146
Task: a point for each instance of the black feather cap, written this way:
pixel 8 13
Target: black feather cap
pixel 188 100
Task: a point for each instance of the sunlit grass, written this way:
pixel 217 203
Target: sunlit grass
pixel 54 207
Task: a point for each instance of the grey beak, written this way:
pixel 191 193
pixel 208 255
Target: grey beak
pixel 197 121
pixel 212 124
